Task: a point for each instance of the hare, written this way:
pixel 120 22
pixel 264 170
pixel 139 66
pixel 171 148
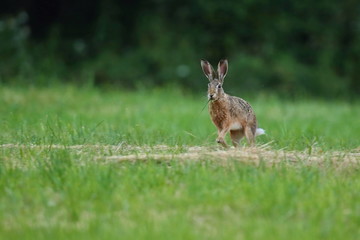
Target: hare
pixel 229 113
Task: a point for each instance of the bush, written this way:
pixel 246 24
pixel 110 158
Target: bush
pixel 289 47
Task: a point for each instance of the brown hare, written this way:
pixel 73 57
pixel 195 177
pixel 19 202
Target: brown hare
pixel 229 113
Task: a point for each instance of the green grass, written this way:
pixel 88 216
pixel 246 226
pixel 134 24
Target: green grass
pixel 52 192
pixel 70 116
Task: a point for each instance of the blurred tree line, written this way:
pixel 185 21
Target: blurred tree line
pixel 287 46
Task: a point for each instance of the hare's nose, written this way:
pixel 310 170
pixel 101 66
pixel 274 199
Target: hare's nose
pixel 211 95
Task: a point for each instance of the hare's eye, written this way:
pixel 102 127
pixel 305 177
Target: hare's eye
pixel 219 86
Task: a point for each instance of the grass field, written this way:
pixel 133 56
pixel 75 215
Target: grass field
pixel 91 164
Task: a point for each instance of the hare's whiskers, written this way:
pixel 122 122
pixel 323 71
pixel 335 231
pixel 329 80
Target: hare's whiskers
pixel 205 105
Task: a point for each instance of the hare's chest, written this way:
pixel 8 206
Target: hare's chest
pixel 219 116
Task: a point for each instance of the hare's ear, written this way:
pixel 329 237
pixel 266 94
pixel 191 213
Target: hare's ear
pixel 208 70
pixel 222 69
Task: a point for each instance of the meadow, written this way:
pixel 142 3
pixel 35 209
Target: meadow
pixel 85 163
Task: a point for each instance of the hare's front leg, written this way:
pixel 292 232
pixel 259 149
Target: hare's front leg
pixel 221 137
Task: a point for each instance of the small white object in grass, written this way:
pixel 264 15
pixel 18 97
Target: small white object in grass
pixel 259 131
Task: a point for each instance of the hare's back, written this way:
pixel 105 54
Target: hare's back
pixel 239 105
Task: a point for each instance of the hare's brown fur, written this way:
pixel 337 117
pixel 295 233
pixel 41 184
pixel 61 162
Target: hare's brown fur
pixel 228 113
pixel 231 112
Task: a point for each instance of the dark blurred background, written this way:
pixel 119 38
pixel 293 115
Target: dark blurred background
pixel 283 46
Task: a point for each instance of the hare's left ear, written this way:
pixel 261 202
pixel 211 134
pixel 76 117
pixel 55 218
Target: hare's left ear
pixel 222 69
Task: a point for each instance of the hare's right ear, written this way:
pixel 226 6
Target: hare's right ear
pixel 207 69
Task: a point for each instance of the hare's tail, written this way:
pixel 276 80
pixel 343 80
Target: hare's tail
pixel 259 131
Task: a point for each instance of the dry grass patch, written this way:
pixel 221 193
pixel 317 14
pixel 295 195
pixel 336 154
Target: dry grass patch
pixel 254 155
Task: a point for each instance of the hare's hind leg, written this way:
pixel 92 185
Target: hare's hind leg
pixel 250 135
pixel 236 136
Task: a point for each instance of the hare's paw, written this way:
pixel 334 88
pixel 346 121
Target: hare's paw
pixel 222 142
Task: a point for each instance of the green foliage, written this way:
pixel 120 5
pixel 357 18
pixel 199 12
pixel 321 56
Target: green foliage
pixel 290 47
